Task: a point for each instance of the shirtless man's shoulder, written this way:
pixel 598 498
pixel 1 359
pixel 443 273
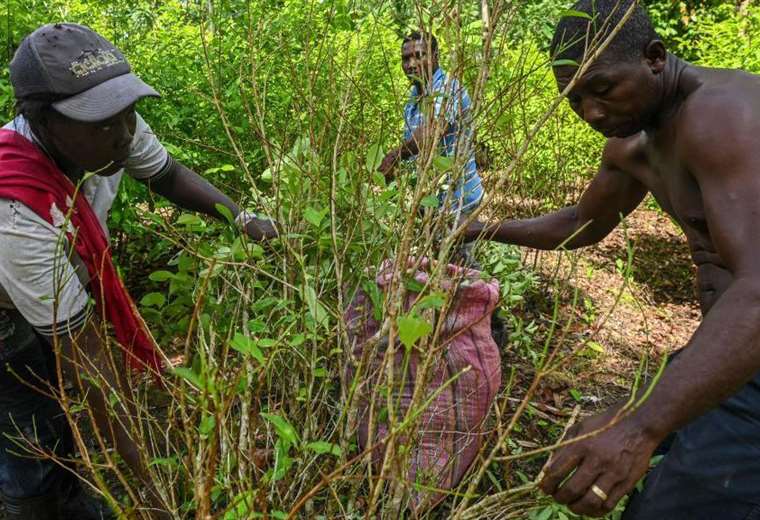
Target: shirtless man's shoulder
pixel 723 111
pixel 720 112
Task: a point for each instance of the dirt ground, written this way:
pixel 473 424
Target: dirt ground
pixel 622 306
pixel 632 296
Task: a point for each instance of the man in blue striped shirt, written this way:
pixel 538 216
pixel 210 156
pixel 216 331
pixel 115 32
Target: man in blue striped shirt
pixel 433 89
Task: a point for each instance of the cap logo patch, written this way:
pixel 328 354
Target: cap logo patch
pixel 92 61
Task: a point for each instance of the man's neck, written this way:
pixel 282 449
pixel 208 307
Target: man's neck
pixel 677 81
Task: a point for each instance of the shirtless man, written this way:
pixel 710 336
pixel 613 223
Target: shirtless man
pixel 690 136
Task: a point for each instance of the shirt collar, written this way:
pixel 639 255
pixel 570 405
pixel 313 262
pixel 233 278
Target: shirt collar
pixel 22 126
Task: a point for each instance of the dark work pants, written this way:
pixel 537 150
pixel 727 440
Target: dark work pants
pixel 711 467
pixel 675 496
pixel 24 356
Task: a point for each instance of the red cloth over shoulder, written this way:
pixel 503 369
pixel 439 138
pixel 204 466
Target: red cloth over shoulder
pixel 28 176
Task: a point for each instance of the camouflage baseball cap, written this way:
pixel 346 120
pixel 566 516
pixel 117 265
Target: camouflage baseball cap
pixel 90 75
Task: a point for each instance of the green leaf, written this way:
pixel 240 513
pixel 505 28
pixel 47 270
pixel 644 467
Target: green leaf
pixel 375 155
pixel 188 219
pixel 242 251
pixel 185 263
pixel 413 285
pixel 431 201
pixel 222 252
pixel 342 177
pixel 316 309
pixel 596 347
pixel 153 299
pixel 284 429
pixel 431 301
pixel 247 346
pixel 322 447
pixel 379 179
pixel 207 425
pixel 242 507
pixel 546 513
pixel 171 462
pixel 256 326
pixel 313 216
pixel 188 375
pixel 225 212
pixel 411 329
pixel 573 13
pixel 227 168
pixel 442 163
pixel 377 297
pixel 576 394
pixel 160 276
pixel 565 63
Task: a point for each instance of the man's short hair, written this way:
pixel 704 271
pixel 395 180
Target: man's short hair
pixel 573 33
pixel 37 108
pixel 422 37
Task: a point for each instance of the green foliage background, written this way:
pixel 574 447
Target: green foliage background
pixel 163 42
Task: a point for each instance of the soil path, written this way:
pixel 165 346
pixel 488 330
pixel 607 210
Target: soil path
pixel 634 299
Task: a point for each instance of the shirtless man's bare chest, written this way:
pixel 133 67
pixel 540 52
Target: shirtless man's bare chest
pixel 654 163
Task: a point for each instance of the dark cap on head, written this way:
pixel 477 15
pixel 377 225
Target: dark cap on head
pixel 88 73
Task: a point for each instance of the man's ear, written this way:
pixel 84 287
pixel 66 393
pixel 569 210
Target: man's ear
pixel 41 123
pixel 655 56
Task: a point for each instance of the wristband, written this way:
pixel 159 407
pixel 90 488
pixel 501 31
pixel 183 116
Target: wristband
pixel 244 218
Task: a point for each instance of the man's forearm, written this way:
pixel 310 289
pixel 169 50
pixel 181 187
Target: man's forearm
pixel 84 354
pixel 86 362
pixel 722 356
pixel 411 146
pixel 408 149
pixel 547 232
pixel 190 191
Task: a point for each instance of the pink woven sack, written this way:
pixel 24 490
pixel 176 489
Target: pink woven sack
pixel 450 431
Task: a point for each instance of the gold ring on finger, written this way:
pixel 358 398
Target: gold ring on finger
pixel 599 492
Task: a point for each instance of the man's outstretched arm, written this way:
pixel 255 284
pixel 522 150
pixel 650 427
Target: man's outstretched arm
pixel 411 146
pixel 190 191
pixel 611 194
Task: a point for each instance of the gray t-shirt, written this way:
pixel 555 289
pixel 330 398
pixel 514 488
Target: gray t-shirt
pixel 40 275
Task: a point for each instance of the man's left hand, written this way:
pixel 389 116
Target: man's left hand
pixel 261 229
pixel 603 468
pixel 389 163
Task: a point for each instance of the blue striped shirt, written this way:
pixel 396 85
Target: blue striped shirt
pixel 451 99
